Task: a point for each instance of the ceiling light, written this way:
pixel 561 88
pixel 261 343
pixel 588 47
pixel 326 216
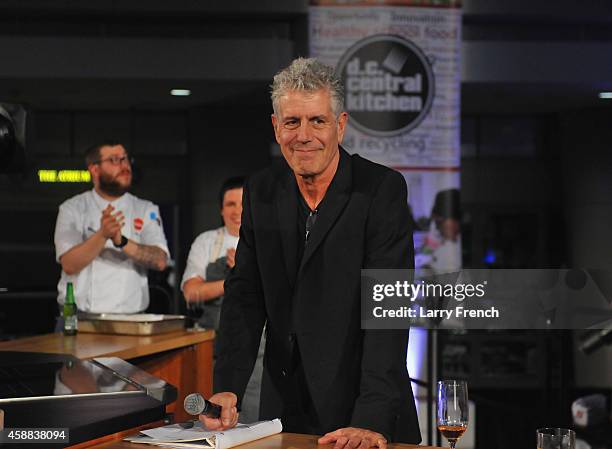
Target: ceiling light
pixel 605 95
pixel 180 92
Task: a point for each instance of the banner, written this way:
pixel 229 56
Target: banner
pixel 399 61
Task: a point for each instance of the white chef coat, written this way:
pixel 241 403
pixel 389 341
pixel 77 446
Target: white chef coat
pixel 205 250
pixel 446 255
pixel 112 282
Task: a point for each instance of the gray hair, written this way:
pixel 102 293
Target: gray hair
pixel 308 75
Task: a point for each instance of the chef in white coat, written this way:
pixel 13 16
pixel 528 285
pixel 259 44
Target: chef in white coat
pixel 106 239
pixel 441 252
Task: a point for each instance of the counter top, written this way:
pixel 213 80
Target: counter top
pixel 88 346
pixel 280 441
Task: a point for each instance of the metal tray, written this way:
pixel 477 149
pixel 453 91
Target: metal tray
pixel 135 324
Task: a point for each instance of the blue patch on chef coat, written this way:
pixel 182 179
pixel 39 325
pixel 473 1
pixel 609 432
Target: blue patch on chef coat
pixel 153 216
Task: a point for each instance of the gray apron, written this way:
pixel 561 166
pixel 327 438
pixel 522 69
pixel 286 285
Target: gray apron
pixel 217 270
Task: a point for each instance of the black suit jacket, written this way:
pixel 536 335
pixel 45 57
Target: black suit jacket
pixel 355 377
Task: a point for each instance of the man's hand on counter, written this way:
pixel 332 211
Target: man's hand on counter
pixel 229 412
pixel 353 437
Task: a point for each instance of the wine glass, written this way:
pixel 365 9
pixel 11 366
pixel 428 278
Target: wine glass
pixel 452 409
pixel 556 438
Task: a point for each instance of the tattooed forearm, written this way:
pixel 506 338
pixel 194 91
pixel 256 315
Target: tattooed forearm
pixel 148 256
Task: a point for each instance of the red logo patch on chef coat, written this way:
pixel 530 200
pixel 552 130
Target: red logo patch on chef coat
pixel 138 222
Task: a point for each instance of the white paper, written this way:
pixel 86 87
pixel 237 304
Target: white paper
pixel 175 433
pixel 252 432
pixel 175 436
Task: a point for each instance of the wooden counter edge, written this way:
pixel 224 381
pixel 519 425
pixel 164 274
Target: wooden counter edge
pixel 115 437
pixel 278 441
pixel 176 342
pixel 84 348
pixel 297 440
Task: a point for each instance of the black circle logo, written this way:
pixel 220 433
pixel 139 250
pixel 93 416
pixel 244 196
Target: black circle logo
pixel 388 83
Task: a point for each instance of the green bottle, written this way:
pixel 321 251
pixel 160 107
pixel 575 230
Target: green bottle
pixel 70 312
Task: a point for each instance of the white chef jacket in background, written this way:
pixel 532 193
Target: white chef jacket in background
pixel 205 249
pixel 112 282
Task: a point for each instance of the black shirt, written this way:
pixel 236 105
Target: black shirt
pixel 305 222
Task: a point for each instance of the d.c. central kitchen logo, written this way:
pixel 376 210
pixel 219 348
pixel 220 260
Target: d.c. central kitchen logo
pixel 389 85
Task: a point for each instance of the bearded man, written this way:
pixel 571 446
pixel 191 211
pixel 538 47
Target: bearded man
pixel 106 239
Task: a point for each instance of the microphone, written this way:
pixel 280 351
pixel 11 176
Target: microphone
pixel 196 404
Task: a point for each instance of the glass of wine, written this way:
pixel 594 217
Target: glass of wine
pixel 452 409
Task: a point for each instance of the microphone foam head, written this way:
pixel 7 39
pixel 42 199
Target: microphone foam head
pixel 194 404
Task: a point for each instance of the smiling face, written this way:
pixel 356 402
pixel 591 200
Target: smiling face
pixel 232 210
pixel 308 132
pixel 112 173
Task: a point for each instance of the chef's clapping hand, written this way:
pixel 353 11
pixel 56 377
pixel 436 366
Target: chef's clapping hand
pixel 111 224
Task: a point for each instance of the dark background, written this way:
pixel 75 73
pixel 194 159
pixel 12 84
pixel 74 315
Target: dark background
pixel 536 176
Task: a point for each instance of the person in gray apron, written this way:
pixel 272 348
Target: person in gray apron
pixel 201 290
pixel 210 259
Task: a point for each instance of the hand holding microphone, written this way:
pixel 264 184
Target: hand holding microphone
pixel 196 404
pixel 217 413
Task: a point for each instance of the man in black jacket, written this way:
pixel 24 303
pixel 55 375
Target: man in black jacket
pixel 309 225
